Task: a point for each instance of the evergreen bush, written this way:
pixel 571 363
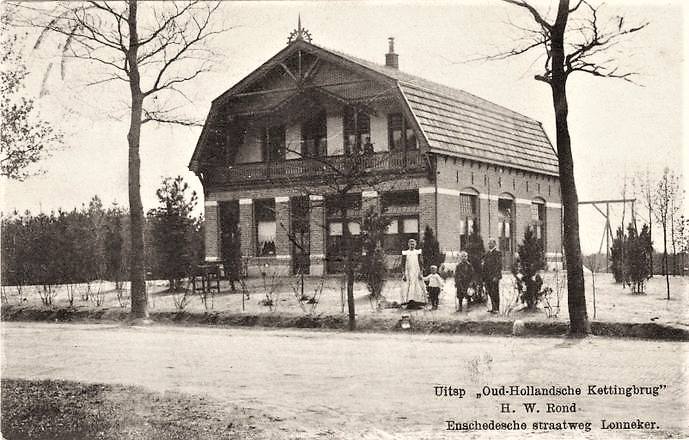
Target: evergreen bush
pixel 530 261
pixel 430 249
pixel 173 230
pixel 637 257
pixel 373 268
pixel 617 264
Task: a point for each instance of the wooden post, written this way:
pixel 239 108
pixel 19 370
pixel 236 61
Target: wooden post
pixel 607 236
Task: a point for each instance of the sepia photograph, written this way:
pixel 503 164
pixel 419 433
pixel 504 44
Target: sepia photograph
pixel 344 219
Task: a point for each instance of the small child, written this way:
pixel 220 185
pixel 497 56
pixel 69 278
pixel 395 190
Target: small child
pixel 435 283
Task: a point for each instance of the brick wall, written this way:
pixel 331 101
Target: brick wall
pixel 458 174
pixel 317 234
pixel 246 227
pixel 553 218
pixel 454 176
pixel 448 223
pixel 492 182
pixel 427 210
pixel 212 236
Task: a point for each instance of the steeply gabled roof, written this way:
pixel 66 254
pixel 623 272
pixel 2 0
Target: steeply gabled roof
pixel 458 123
pixel 452 121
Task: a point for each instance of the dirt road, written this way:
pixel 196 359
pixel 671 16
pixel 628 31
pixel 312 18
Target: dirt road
pixel 339 385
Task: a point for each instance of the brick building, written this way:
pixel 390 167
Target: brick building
pixel 456 162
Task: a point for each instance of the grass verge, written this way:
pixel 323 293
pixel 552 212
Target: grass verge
pixel 57 410
pixel 650 330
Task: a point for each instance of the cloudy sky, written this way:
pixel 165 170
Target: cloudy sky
pixel 618 129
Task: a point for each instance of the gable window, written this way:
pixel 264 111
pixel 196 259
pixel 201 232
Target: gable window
pixel 401 135
pixel 264 214
pixel 314 136
pixel 357 132
pixel 274 144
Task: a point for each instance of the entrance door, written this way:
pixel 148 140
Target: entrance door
pixel 301 237
pixel 506 232
pixel 230 242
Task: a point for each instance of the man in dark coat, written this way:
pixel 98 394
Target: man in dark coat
pixel 492 272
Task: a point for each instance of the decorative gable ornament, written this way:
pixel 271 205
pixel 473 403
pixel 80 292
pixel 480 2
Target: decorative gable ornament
pixel 299 33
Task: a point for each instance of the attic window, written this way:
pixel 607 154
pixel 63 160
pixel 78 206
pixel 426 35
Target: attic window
pixel 315 136
pixel 357 131
pixel 274 144
pixel 401 135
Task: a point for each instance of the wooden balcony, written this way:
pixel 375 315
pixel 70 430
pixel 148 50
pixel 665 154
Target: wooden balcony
pixel 304 169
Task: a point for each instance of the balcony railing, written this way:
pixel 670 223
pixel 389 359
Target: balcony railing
pixel 309 168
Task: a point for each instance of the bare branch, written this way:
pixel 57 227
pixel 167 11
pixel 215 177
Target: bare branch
pixel 160 118
pixel 576 7
pixel 536 15
pixel 201 34
pixel 171 19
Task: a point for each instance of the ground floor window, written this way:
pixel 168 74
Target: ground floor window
pixel 399 232
pixel 538 220
pixel 468 218
pixel 506 231
pixel 264 215
pixel 341 211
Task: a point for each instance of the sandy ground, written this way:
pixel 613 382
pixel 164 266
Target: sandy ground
pixel 365 386
pixel 612 301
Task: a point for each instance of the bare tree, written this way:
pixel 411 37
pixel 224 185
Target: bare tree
pixel 154 50
pixel 644 185
pixel 675 220
pixel 575 41
pixel 667 192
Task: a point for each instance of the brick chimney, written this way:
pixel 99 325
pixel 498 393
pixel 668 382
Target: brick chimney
pixel 391 58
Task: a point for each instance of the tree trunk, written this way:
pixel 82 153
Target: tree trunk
pixel 349 264
pixel 672 237
pixel 136 210
pixel 576 298
pixel 667 273
pixel 650 231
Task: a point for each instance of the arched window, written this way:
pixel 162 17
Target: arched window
pixel 538 220
pixel 506 222
pixel 468 215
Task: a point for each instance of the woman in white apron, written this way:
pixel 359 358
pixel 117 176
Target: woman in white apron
pixel 413 287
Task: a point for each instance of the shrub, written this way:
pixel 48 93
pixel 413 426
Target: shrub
pixel 630 256
pixel 637 258
pixel 430 249
pixel 617 257
pixel 173 230
pixel 373 269
pixel 529 263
